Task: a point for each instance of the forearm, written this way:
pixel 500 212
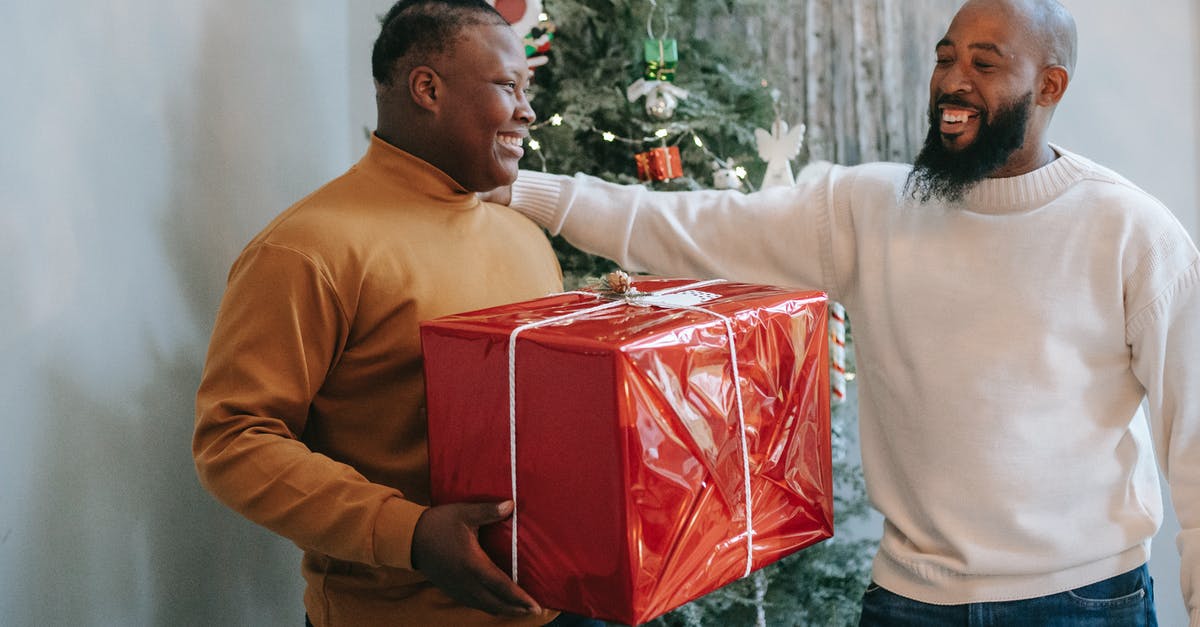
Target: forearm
pixel 258 469
pixel 773 237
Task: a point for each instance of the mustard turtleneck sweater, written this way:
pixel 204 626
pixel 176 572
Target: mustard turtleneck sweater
pixel 310 413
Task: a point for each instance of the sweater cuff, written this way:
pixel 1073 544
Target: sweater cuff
pixel 394 532
pixel 536 195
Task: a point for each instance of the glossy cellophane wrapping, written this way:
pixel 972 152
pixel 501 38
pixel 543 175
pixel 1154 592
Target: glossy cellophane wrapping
pixel 629 468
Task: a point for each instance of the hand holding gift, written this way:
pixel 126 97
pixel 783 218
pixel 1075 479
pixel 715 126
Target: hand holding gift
pixel 445 548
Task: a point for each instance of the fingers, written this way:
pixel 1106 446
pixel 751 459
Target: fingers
pixel 480 514
pixel 446 550
pixel 484 599
pixel 495 581
pixel 498 584
pixel 500 195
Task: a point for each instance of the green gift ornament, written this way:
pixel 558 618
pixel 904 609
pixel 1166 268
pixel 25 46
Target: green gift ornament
pixel 662 55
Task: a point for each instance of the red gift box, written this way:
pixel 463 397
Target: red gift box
pixel 630 482
pixel 659 164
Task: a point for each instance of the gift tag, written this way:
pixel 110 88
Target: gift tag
pixel 689 298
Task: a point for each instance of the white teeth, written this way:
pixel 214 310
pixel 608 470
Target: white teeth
pixel 510 140
pixel 954 117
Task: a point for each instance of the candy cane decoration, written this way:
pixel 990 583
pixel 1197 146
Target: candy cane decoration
pixel 837 352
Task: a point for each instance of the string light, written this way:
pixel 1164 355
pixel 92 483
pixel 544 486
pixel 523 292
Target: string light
pixel 660 137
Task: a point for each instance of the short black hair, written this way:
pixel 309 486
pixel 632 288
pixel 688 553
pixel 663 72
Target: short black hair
pixel 426 27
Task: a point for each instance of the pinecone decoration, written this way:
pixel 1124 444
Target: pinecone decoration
pixel 615 283
pixel 618 282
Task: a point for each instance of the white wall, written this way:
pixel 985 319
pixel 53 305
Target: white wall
pixel 1134 106
pixel 144 141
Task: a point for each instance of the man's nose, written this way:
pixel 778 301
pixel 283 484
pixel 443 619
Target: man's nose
pixel 525 112
pixel 955 80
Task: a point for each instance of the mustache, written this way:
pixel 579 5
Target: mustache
pixel 954 101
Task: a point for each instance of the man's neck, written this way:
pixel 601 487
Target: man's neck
pixel 1022 163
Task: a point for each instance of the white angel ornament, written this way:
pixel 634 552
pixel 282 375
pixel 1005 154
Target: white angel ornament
pixel 778 148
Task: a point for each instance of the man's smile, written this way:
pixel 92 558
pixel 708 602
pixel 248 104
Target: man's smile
pixel 954 120
pixel 511 142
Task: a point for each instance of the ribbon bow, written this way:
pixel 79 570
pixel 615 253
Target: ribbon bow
pixel 668 92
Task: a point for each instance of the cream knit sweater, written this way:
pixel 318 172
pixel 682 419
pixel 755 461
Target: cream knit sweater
pixel 1005 346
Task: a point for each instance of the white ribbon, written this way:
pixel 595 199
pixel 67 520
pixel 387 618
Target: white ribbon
pixel 629 300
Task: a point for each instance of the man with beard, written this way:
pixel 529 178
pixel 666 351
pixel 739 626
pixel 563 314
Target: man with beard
pixel 1014 304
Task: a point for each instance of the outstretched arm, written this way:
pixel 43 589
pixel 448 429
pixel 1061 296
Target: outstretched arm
pixel 779 236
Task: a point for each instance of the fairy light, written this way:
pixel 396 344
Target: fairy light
pixel 660 136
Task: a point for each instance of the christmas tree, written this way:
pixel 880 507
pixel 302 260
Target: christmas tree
pixel 620 86
pixel 705 105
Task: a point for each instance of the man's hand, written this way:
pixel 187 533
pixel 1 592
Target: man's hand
pixel 445 548
pixel 500 195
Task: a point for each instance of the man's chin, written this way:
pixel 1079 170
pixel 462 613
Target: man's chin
pixel 956 143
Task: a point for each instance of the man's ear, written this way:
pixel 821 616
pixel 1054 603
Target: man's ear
pixel 425 86
pixel 1054 82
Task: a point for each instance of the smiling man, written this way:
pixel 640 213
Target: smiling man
pixel 1015 307
pixel 310 413
pixel 985 119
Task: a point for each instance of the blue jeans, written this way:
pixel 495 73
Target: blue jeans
pixel 1126 600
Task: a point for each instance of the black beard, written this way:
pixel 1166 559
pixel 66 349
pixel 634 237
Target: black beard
pixel 942 174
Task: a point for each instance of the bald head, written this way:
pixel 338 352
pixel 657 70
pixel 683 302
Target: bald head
pixel 1001 70
pixel 1047 24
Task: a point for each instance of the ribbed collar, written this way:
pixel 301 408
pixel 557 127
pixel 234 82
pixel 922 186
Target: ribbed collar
pixel 404 170
pixel 1017 194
